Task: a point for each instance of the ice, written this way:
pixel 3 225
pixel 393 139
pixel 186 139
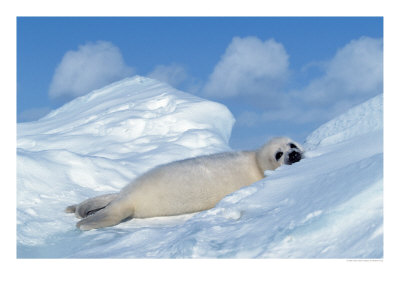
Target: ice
pixel 329 205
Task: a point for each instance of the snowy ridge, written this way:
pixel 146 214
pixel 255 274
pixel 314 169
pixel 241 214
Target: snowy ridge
pixel 328 205
pixel 365 118
pixel 123 115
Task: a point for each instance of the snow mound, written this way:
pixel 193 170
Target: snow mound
pixel 328 205
pixel 362 119
pixel 101 141
pixel 132 116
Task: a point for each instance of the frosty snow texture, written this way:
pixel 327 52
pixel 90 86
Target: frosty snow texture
pixel 328 205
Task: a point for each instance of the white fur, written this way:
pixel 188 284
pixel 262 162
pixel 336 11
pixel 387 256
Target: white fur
pixel 182 187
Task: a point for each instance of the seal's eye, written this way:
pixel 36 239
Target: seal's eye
pixel 292 145
pixel 278 155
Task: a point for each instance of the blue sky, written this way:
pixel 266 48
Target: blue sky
pixel 278 76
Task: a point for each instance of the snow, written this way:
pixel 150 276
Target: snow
pixel 329 205
pixel 359 120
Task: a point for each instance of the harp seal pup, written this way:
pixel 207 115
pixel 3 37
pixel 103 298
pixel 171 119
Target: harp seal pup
pixel 186 186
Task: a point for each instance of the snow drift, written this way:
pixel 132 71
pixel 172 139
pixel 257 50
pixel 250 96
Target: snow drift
pixel 328 205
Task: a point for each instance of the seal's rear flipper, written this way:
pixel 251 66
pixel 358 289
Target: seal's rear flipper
pixel 91 205
pixel 109 216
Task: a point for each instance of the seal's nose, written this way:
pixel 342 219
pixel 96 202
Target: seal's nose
pixel 294 156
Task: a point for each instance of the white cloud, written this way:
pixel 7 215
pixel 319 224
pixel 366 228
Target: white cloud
pixel 249 66
pixel 92 66
pixel 355 72
pixel 173 74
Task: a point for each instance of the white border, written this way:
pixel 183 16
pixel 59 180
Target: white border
pixel 200 279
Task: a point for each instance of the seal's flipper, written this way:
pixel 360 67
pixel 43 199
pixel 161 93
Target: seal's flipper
pixel 109 216
pixel 91 205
